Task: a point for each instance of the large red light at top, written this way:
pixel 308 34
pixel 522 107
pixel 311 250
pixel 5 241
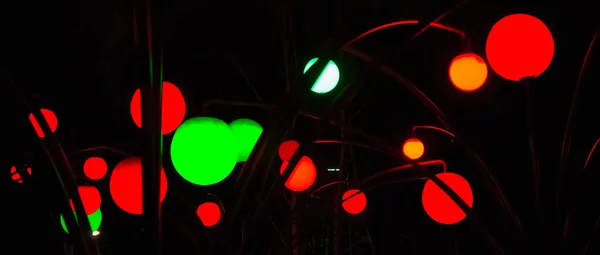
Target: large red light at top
pixel 50 119
pixel 439 206
pixel 355 204
pixel 126 185
pixel 519 46
pixel 209 214
pixel 173 108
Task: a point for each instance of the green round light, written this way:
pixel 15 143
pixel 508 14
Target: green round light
pixel 204 150
pixel 246 132
pixel 328 79
pixel 95 220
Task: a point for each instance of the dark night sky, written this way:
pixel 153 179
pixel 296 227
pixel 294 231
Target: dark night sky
pixel 74 57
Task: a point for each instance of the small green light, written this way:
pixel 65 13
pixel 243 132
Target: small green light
pixel 94 218
pixel 246 132
pixel 328 78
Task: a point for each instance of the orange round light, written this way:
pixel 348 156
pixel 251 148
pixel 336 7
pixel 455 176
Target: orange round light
pixel 355 204
pixel 413 148
pixel 468 72
pixel 209 214
pixel 302 177
pixel 439 206
pixel 519 46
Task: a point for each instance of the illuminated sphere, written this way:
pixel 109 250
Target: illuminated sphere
pixel 209 214
pixel 519 46
pixel 90 197
pixel 413 148
pixel 50 119
pixel 173 108
pixel 95 220
pixel 439 206
pixel 204 150
pixel 95 168
pixel 15 174
pixel 246 132
pixel 126 185
pixel 286 149
pixel 328 79
pixel 468 72
pixel 303 175
pixel 355 204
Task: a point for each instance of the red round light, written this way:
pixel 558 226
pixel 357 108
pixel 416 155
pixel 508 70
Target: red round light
pixel 173 108
pixel 468 72
pixel 302 177
pixel 126 185
pixel 90 197
pixel 209 214
pixel 519 46
pixel 50 119
pixel 95 168
pixel 287 149
pixel 355 204
pixel 439 206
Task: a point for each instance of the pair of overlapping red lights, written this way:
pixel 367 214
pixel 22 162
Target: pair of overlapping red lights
pixel 518 46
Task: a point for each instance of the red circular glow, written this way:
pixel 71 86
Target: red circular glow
pixel 468 72
pixel 287 149
pixel 355 204
pixel 173 108
pixel 126 185
pixel 519 46
pixel 95 168
pixel 50 119
pixel 302 177
pixel 209 214
pixel 413 148
pixel 90 197
pixel 439 206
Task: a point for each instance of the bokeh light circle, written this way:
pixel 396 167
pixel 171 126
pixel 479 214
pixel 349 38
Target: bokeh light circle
pixel 209 214
pixel 95 168
pixel 90 197
pixel 355 204
pixel 50 119
pixel 287 149
pixel 126 185
pixel 303 175
pixel 173 108
pixel 413 148
pixel 468 72
pixel 95 220
pixel 246 132
pixel 204 150
pixel 519 46
pixel 439 206
pixel 327 80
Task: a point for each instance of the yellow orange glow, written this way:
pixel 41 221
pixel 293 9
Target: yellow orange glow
pixel 413 148
pixel 468 72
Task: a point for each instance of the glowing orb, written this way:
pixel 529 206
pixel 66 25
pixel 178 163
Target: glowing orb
pixel 246 132
pixel 439 206
pixel 355 204
pixel 95 168
pixel 50 119
pixel 519 46
pixel 468 72
pixel 413 148
pixel 126 185
pixel 287 149
pixel 209 214
pixel 90 197
pixel 328 78
pixel 173 108
pixel 204 150
pixel 303 175
pixel 95 220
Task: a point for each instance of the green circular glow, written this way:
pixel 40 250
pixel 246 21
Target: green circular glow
pixel 328 78
pixel 94 218
pixel 246 132
pixel 204 150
